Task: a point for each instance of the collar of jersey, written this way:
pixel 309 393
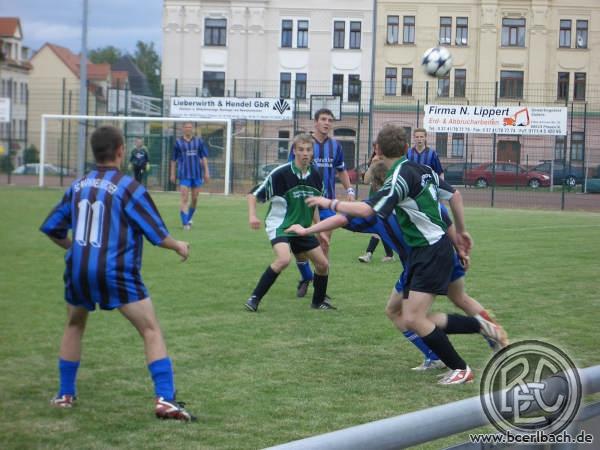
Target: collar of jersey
pixel 298 172
pixel 396 164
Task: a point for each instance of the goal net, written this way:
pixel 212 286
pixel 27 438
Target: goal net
pixel 60 159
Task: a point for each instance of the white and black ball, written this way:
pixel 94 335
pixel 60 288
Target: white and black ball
pixel 437 62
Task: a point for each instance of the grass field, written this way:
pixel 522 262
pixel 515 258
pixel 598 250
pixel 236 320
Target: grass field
pixel 285 373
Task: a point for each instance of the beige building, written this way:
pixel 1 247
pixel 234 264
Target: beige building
pixel 14 80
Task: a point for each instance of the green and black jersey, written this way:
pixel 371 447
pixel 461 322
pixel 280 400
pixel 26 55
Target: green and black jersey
pixel 413 190
pixel 287 188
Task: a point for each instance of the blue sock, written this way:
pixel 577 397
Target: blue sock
pixel 68 373
pixel 161 371
pixel 305 270
pixel 422 346
pixel 190 213
pixel 183 216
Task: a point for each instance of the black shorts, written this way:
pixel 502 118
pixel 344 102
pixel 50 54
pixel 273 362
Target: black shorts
pixel 298 244
pixel 430 268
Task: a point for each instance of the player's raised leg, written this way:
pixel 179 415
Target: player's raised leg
pixel 142 317
pixel 70 356
pixel 306 275
pixel 321 278
pixel 283 257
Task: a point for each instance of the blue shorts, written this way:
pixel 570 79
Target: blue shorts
pixel 191 182
pixel 108 294
pixel 325 213
pixel 458 271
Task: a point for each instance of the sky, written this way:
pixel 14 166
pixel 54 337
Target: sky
pixel 120 23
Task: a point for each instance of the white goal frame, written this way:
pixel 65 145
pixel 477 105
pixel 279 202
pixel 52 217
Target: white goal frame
pixel 47 117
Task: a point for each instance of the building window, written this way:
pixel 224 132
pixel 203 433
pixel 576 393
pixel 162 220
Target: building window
pixel 393 28
pixel 407 81
pixel 215 31
pixel 339 33
pixel 355 34
pixel 564 35
pixel 559 148
pixel 579 88
pixel 577 146
pixel 513 32
pixel 285 84
pixel 562 92
pixel 302 34
pixel 460 82
pixel 443 89
pixel 283 144
pixel 582 34
pixel 300 85
pixel 391 77
pixel 445 30
pixel 15 91
pixel 408 33
pixel 213 84
pixel 354 88
pixel 287 29
pixel 23 93
pixel 462 30
pixel 511 84
pixel 458 145
pixel 338 85
pixel 441 144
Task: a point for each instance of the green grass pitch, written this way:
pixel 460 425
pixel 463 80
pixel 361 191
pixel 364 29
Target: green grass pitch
pixel 285 373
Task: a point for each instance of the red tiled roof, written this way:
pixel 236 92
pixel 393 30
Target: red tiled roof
pixel 119 78
pixel 9 26
pixel 71 60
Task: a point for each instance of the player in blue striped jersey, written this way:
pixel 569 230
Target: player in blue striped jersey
pixel 390 233
pixel 329 161
pixel 423 154
pixel 190 158
pixel 109 214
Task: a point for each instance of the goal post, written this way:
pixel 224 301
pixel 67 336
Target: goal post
pixel 46 118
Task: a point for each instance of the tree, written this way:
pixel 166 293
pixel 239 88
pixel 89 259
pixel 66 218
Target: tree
pixel 31 155
pixel 108 54
pixel 148 62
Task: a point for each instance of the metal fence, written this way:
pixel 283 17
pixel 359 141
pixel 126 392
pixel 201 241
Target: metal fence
pixel 572 162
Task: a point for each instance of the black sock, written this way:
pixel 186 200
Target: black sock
pixel 372 244
pixel 320 288
pixel 458 324
pixel 388 251
pixel 440 344
pixel 264 284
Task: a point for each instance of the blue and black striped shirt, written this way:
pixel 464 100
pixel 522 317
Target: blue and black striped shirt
pixel 109 213
pixel 427 157
pixel 189 155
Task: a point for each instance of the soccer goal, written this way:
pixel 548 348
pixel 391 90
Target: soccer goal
pixel 60 159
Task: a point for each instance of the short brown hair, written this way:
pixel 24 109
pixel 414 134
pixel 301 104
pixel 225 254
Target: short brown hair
pixel 392 141
pixel 105 142
pixel 420 130
pixel 378 174
pixel 324 111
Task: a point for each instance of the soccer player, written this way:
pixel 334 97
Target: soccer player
pixel 287 187
pixel 190 156
pixel 328 160
pixel 389 231
pixel 423 154
pixel 110 213
pixel 412 191
pixel 139 160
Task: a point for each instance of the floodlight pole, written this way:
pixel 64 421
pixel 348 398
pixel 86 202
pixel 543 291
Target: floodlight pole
pixel 82 91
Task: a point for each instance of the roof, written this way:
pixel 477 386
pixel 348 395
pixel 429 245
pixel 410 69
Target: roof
pixel 138 82
pixel 10 26
pixel 71 60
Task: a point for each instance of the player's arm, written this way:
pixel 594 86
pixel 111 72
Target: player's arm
pixel 61 242
pixel 329 224
pixel 180 247
pixel 437 166
pixel 252 219
pixel 464 240
pixel 173 166
pixel 357 209
pixel 206 171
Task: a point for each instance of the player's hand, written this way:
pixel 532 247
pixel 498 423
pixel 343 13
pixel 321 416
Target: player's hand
pixel 465 242
pixel 297 229
pixel 465 261
pixel 206 177
pixel 321 202
pixel 254 222
pixel 350 194
pixel 183 250
pixel 147 167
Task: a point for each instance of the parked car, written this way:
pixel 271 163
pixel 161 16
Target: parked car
pixel 34 169
pixel 455 173
pixel 570 176
pixel 507 174
pixel 355 174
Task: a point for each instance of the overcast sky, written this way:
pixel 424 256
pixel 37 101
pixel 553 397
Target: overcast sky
pixel 120 23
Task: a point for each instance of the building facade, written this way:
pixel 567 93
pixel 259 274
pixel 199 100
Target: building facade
pixel 14 84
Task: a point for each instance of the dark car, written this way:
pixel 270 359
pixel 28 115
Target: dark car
pixel 506 174
pixel 455 173
pixel 569 175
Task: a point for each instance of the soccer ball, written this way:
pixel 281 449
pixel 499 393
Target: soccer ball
pixel 437 62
